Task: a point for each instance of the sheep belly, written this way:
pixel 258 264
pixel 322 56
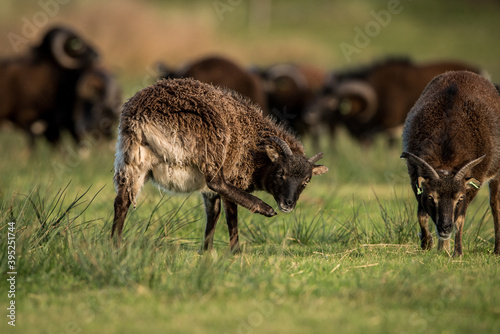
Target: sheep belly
pixel 179 179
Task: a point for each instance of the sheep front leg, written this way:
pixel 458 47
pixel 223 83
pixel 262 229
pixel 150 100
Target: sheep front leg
pixel 212 210
pixel 459 225
pixel 495 210
pixel 238 196
pixel 231 210
pixel 425 236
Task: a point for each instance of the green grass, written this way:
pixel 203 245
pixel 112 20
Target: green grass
pixel 346 259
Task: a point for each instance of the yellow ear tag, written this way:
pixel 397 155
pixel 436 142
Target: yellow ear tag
pixel 419 190
pixel 473 184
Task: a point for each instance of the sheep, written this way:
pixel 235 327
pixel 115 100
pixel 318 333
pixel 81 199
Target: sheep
pixel 38 89
pixel 188 136
pixel 451 140
pixel 220 71
pixel 98 103
pixel 290 88
pixel 375 99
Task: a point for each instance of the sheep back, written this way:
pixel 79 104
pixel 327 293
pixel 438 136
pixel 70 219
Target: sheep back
pixel 456 120
pixel 184 122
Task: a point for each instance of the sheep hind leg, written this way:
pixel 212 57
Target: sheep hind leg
pixel 127 191
pixel 231 210
pixel 122 204
pixel 212 210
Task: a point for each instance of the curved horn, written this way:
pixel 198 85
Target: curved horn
pixel 59 50
pixel 465 169
pixel 420 162
pixel 363 90
pixel 282 145
pixel 316 157
pixel 290 71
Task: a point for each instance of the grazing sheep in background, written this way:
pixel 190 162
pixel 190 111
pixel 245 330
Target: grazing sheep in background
pixel 290 89
pixel 98 103
pixel 451 141
pixel 220 71
pixel 38 89
pixel 189 136
pixel 375 99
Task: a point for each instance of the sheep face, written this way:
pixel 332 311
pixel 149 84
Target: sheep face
pixel 289 174
pixel 442 194
pixel 445 200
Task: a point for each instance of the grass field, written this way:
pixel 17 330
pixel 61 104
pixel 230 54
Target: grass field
pixel 346 260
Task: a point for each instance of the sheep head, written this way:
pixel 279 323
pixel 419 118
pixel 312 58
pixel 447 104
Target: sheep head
pixel 288 173
pixel 443 194
pixel 67 49
pixel 352 99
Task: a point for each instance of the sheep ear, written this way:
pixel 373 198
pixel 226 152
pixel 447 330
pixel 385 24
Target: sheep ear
pixel 319 169
pixel 421 181
pixel 272 153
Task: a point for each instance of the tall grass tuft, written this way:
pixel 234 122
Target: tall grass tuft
pixel 56 216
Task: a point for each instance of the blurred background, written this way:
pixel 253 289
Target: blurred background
pixel 132 35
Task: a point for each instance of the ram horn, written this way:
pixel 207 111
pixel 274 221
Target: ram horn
pixel 421 163
pixel 363 90
pixel 465 169
pixel 289 71
pixel 282 145
pixel 60 44
pixel 316 158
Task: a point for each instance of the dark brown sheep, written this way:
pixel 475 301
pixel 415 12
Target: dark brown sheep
pixel 290 88
pixel 221 71
pixel 40 86
pixel 375 99
pixel 189 136
pixel 98 104
pixel 451 141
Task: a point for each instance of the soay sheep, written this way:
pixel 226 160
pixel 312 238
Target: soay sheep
pixel 451 141
pixel 290 88
pixel 39 87
pixel 188 136
pixel 220 71
pixel 375 99
pixel 98 104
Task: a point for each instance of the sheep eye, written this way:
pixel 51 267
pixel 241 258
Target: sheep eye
pixel 430 198
pixel 75 44
pixel 461 198
pixel 280 174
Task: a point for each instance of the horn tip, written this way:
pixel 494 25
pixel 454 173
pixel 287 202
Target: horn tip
pixel 406 155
